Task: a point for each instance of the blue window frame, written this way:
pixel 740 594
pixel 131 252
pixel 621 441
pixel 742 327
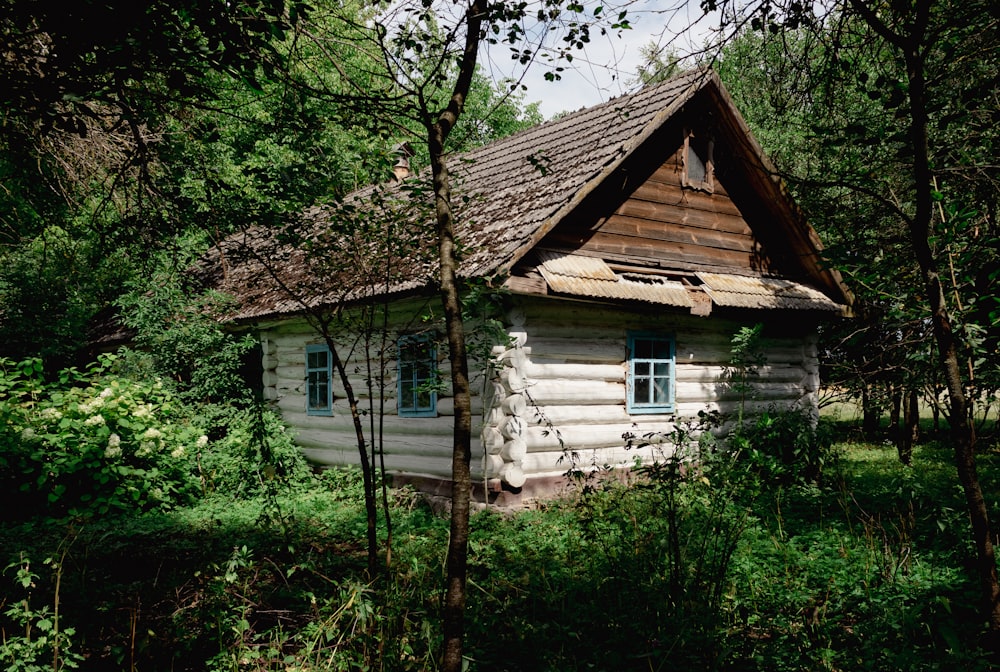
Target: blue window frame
pixel 650 386
pixel 319 376
pixel 416 375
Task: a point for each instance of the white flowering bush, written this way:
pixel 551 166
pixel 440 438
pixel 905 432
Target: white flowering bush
pixel 93 443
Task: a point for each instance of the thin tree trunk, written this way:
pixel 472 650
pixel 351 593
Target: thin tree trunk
pixel 869 411
pixel 911 42
pixel 963 436
pixel 371 509
pixel 896 399
pixel 911 426
pixel 453 617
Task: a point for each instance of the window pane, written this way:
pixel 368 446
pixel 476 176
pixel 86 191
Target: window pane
pixel 661 391
pixel 661 369
pixel 661 349
pixel 422 371
pixel 643 348
pixel 423 399
pixel 641 369
pixel 319 392
pixel 695 166
pixel 641 391
pixel 406 394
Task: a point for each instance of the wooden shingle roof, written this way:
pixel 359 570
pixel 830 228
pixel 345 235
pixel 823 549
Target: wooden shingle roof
pixel 507 196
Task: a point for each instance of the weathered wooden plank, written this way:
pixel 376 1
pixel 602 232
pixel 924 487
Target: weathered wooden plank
pixel 659 191
pixel 684 255
pixel 672 233
pixel 702 221
pixel 669 173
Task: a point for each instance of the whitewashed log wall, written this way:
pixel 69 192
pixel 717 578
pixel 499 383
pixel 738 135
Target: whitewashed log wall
pixel 556 389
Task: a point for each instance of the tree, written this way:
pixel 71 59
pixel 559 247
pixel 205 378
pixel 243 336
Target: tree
pixel 900 89
pixel 429 53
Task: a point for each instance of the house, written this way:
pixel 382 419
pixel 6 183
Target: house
pixel 626 244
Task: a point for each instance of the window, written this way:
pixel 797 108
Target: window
pixel 319 391
pixel 650 373
pixel 417 374
pixel 699 167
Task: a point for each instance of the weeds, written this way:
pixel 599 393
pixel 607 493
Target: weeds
pixel 684 568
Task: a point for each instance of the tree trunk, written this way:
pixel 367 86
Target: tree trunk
pixel 896 397
pixel 911 429
pixel 453 617
pixel 911 41
pixel 963 437
pixel 371 509
pixel 869 412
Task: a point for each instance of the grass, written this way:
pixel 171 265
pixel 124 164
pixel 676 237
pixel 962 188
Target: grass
pixel 870 571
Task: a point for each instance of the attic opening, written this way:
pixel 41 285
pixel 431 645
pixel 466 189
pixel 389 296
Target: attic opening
pixel 698 162
pixel 648 279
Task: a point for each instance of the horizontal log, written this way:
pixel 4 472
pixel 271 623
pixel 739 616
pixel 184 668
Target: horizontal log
pixel 710 391
pixel 410 464
pixel 514 450
pixel 579 437
pixel 718 374
pixel 556 349
pixel 492 440
pixel 293 400
pixel 428 446
pixel 513 475
pixel 583 392
pixel 659 191
pixel 660 223
pixel 555 416
pixel 666 252
pixel 575 371
pixel 341 421
pixel 557 462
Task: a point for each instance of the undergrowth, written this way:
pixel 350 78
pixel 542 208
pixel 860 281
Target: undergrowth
pixel 678 570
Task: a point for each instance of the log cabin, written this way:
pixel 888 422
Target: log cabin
pixel 620 247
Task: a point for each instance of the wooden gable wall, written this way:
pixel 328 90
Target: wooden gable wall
pixel 642 215
pixel 663 224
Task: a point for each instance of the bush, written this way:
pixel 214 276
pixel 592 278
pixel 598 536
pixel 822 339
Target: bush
pixel 92 443
pixel 787 446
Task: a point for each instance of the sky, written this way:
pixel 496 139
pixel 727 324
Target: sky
pixel 607 67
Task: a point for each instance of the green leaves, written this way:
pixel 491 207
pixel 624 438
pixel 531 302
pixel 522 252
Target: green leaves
pixel 105 445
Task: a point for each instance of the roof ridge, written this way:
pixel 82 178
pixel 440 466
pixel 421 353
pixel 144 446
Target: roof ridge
pixel 693 74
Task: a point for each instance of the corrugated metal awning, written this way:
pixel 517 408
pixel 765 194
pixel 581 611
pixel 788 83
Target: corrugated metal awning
pixel 593 278
pixel 737 291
